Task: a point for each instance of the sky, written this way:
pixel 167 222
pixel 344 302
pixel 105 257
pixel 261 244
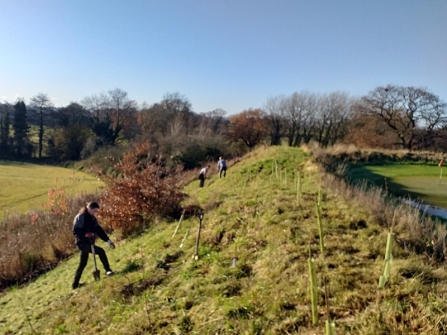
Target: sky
pixel 228 54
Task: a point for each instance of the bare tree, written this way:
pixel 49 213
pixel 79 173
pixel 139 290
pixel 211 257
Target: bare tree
pixel 215 120
pixel 95 103
pixel 41 101
pixel 152 119
pixel 123 111
pixel 176 103
pixel 178 111
pixel 112 114
pixel 405 110
pixel 300 115
pixel 276 109
pixel 333 116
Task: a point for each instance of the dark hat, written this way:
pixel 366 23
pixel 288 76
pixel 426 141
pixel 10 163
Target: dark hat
pixel 92 205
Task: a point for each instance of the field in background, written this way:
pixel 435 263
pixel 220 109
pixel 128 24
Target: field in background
pixel 420 181
pixel 24 186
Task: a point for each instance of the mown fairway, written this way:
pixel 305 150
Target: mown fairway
pixel 251 275
pixel 420 181
pixel 24 187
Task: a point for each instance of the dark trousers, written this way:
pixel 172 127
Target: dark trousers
pixel 202 180
pixel 85 250
pixel 223 170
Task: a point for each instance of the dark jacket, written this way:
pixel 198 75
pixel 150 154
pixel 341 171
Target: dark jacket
pixel 86 223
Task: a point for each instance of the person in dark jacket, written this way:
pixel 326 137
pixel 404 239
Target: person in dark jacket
pixel 85 229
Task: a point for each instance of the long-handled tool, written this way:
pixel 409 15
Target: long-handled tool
pixel 96 273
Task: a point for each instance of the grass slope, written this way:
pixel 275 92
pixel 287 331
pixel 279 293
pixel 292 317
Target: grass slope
pixel 252 216
pixel 25 186
pixel 420 181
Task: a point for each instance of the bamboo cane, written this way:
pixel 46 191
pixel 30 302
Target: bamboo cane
pixel 184 238
pixel 178 225
pixel 276 169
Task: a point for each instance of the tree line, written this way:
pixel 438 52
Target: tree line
pixel 387 117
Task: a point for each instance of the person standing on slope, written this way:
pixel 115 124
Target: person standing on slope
pixel 85 229
pixel 202 175
pixel 222 167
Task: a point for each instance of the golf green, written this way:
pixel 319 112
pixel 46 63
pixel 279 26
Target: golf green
pixel 418 181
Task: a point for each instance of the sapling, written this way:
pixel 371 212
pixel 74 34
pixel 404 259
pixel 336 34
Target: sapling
pixel 298 188
pixel 330 327
pixel 388 258
pixel 320 227
pixel 313 290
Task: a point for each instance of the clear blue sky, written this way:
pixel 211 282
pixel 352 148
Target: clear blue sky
pixel 229 54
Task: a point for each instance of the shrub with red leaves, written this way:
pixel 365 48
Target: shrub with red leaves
pixel 141 190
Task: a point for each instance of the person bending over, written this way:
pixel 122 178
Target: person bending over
pixel 202 175
pixel 85 229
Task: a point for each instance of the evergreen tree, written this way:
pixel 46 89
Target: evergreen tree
pixel 22 146
pixel 41 101
pixel 2 152
pixel 4 134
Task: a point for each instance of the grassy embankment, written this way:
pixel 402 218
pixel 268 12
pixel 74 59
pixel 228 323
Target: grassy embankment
pixel 25 186
pixel 252 215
